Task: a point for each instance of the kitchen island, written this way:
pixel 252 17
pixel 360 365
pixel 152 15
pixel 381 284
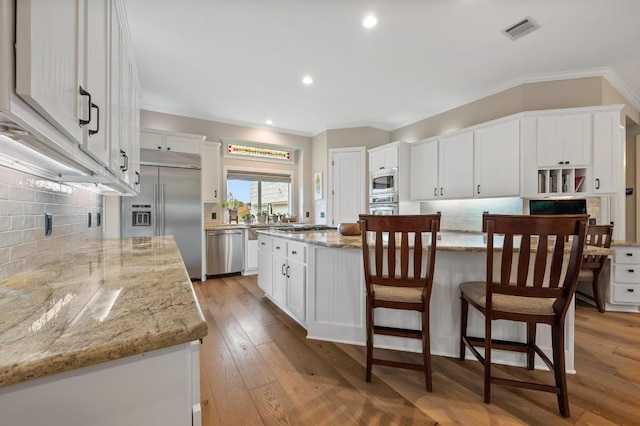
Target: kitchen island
pixel 107 333
pixel 317 278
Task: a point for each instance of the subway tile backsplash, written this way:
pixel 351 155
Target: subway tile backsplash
pixel 24 199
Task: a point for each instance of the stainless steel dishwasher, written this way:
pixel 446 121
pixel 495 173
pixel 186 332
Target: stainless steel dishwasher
pixel 225 251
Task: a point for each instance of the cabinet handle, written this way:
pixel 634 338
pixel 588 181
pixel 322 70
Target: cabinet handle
pixel 294 252
pixel 137 178
pixel 85 93
pixel 282 269
pixel 288 271
pixel 630 290
pixel 567 162
pixel 93 132
pixel 441 193
pixel 597 183
pixel 435 192
pixel 478 190
pixel 215 193
pixel 629 254
pixel 125 167
pixel 277 247
pixel 630 270
pixel 261 244
pixel 560 162
pixel 168 148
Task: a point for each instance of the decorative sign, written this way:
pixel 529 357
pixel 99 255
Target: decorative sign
pixel 258 152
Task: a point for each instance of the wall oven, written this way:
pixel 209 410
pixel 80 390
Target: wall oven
pixel 383 181
pixel 383 205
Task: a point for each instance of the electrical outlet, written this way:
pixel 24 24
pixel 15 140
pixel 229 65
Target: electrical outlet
pixel 48 224
pixel 321 215
pixel 592 221
pixel 213 215
pixel 307 215
pixel 89 219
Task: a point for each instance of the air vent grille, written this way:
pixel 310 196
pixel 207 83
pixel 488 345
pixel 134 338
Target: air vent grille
pixel 521 29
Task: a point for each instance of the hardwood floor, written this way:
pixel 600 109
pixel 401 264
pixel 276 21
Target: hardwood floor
pixel 257 367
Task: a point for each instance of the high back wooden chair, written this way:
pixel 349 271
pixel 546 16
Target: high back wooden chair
pixel 594 265
pixel 399 259
pixel 535 285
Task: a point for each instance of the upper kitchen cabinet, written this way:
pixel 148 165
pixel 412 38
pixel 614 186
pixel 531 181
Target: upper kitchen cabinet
pixel 211 172
pixel 50 63
pixel 608 167
pixel 564 139
pixel 384 157
pixel 496 165
pixel 442 168
pixel 75 67
pixel 176 142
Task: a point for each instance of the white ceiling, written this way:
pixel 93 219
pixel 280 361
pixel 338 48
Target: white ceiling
pixel 242 61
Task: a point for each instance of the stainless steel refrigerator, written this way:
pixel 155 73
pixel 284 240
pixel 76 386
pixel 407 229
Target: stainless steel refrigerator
pixel 169 204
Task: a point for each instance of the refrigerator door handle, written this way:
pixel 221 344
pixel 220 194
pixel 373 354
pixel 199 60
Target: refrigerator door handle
pixel 162 208
pixel 155 206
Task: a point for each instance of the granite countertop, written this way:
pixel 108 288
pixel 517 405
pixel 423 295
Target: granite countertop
pixel 447 240
pixel 107 300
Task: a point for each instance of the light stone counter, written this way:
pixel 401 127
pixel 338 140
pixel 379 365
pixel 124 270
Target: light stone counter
pixel 107 300
pixel 447 240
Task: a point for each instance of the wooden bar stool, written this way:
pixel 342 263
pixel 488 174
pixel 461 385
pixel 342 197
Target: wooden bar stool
pixel 535 285
pixel 399 283
pixel 592 265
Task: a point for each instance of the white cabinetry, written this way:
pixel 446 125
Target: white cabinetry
pixel 453 168
pixel 265 264
pixel 625 279
pixel 496 166
pixel 564 139
pixel 75 67
pixel 608 167
pixel 164 141
pixel 384 157
pixel 289 277
pixel 211 172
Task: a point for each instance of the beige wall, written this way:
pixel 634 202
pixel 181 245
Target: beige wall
pixel 319 152
pixel 215 131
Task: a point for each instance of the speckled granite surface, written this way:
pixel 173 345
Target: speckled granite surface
pixel 447 240
pixel 109 299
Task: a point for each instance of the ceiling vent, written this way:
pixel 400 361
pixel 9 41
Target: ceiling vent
pixel 521 28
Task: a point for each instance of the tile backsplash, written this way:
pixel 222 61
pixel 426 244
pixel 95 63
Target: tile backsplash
pixel 24 200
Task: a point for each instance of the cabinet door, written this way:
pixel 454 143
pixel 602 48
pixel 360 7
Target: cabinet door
pixel 211 172
pixel 125 114
pixel 181 144
pixel 296 289
pixel 607 153
pixel 576 144
pixel 251 261
pixel 48 62
pixel 455 166
pixel 279 279
pixel 265 264
pixel 376 160
pixel 549 141
pixel 115 158
pixel 150 140
pixel 96 53
pixel 423 169
pixel 496 165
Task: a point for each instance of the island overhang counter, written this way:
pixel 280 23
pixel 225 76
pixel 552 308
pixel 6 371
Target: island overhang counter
pixel 327 269
pixel 107 333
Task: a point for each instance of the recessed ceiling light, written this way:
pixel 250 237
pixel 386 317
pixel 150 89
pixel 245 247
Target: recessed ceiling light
pixel 369 21
pixel 269 122
pixel 307 80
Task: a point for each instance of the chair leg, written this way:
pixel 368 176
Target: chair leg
pixel 560 368
pixel 369 339
pixel 596 293
pixel 426 350
pixel 464 312
pixel 487 360
pixel 531 341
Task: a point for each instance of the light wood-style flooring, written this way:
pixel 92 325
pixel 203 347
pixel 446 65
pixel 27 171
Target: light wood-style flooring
pixel 257 367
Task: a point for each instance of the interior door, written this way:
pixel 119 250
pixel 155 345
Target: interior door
pixel 347 184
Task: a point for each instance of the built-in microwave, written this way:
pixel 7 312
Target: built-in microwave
pixel 383 181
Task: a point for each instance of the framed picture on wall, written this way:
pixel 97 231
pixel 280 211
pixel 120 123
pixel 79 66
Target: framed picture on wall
pixel 317 185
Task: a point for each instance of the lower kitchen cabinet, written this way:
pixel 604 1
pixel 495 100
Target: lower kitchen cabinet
pixel 288 271
pixel 624 289
pixel 265 264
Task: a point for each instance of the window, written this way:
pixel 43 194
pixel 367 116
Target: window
pixel 261 191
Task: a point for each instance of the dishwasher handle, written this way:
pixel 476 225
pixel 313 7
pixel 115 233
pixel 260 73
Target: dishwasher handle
pixel 224 232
